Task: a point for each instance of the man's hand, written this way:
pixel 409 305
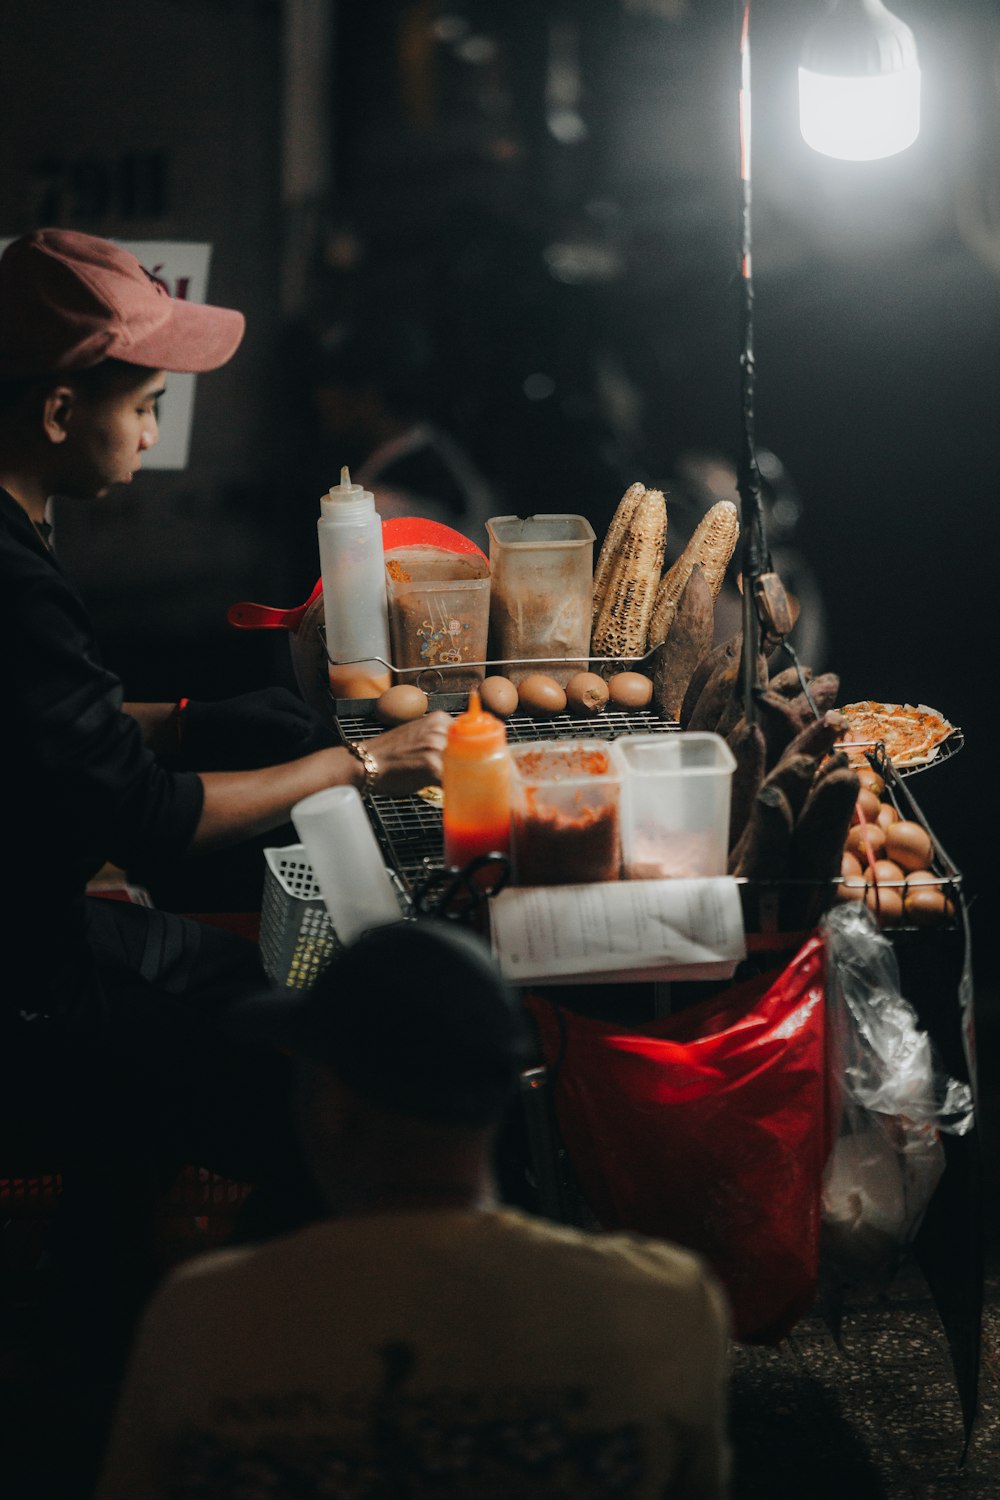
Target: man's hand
pixel 410 757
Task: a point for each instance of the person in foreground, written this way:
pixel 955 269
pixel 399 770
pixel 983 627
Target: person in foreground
pixel 422 1340
pixel 112 1066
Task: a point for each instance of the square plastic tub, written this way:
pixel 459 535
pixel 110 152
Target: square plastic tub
pixel 676 790
pixel 439 616
pixel 543 580
pixel 565 821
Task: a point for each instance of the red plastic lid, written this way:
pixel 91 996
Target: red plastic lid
pixel 415 531
pixel 398 531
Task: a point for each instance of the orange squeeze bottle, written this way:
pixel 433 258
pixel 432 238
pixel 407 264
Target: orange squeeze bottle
pixel 476 785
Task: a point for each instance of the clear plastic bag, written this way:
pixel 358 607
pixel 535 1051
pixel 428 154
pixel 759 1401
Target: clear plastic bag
pixel 894 1101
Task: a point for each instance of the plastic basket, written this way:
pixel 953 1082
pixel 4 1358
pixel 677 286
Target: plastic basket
pixel 297 939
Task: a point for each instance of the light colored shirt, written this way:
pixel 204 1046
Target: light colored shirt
pixel 445 1354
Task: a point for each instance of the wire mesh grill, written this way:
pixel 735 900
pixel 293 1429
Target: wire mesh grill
pixel 409 828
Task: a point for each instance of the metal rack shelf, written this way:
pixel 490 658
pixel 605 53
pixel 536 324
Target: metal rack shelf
pixel 409 828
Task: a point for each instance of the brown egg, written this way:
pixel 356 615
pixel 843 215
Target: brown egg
pixel 871 780
pixel 926 905
pixel 630 689
pixel 866 808
pixel 886 814
pixel 886 905
pixel 586 693
pixel 850 864
pixel 885 872
pixel 864 836
pixel 852 888
pixel 498 695
pixel 540 695
pixel 909 845
pixel 400 704
pixel 923 880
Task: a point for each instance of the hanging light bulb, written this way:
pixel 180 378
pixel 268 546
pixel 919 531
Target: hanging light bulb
pixel 859 83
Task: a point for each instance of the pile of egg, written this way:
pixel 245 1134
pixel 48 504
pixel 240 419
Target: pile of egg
pixel 887 863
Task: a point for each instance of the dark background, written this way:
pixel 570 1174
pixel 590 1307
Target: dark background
pixel 538 203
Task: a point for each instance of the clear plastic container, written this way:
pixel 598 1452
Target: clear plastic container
pixel 676 791
pixel 540 602
pixel 565 825
pixel 439 615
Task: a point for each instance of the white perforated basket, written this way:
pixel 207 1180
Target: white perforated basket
pixel 297 939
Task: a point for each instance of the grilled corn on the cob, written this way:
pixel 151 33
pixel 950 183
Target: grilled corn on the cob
pixel 621 623
pixel 624 512
pixel 712 544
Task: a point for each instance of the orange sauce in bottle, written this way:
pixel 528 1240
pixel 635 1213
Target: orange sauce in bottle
pixel 476 783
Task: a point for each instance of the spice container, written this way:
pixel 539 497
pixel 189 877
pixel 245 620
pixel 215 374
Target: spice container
pixel 675 804
pixel 564 812
pixel 439 613
pixel 540 602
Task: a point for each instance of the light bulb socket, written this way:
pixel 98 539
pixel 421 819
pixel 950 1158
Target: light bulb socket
pixel 859 39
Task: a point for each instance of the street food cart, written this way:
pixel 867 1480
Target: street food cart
pixel 774 1152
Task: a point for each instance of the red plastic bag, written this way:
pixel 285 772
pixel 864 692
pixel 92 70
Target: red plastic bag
pixel 709 1128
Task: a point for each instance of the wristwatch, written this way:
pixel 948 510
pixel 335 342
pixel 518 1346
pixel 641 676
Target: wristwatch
pixel 368 761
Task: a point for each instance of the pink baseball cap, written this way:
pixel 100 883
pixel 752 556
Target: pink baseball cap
pixel 69 300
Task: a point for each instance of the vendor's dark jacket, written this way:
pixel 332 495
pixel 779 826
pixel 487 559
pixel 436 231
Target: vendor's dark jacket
pixel 79 786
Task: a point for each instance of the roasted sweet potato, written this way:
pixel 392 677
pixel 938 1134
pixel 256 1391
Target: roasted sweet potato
pixel 818 737
pixel 723 655
pixel 818 843
pixel 787 682
pixel 734 707
pixel 714 695
pixel 690 637
pixel 747 744
pixel 762 850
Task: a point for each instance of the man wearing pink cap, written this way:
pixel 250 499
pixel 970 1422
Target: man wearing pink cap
pixel 108 1017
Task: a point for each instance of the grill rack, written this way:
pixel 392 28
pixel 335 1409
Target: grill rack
pixel 409 829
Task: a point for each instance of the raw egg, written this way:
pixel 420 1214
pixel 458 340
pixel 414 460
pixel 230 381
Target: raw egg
pixel 925 902
pixel 866 809
pixel 885 872
pixel 851 888
pixel 909 845
pixel 540 695
pixel 586 693
pixel 885 904
pixel 400 704
pixel 850 864
pixel 871 780
pixel 886 814
pixel 630 689
pixel 865 836
pixel 498 696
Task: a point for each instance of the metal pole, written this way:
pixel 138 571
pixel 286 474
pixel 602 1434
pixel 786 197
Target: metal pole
pixel 754 553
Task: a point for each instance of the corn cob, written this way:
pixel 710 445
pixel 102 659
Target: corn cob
pixel 622 621
pixel 609 547
pixel 712 544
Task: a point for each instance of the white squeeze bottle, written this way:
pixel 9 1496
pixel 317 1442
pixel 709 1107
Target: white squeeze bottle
pixel 355 611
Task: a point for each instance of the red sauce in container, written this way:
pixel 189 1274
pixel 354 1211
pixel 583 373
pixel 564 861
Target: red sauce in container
pixel 564 833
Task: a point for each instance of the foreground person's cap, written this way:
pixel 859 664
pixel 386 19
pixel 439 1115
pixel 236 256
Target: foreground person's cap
pixel 69 300
pixel 414 1017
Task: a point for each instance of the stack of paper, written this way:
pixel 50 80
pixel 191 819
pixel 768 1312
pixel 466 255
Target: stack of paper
pixel 620 930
